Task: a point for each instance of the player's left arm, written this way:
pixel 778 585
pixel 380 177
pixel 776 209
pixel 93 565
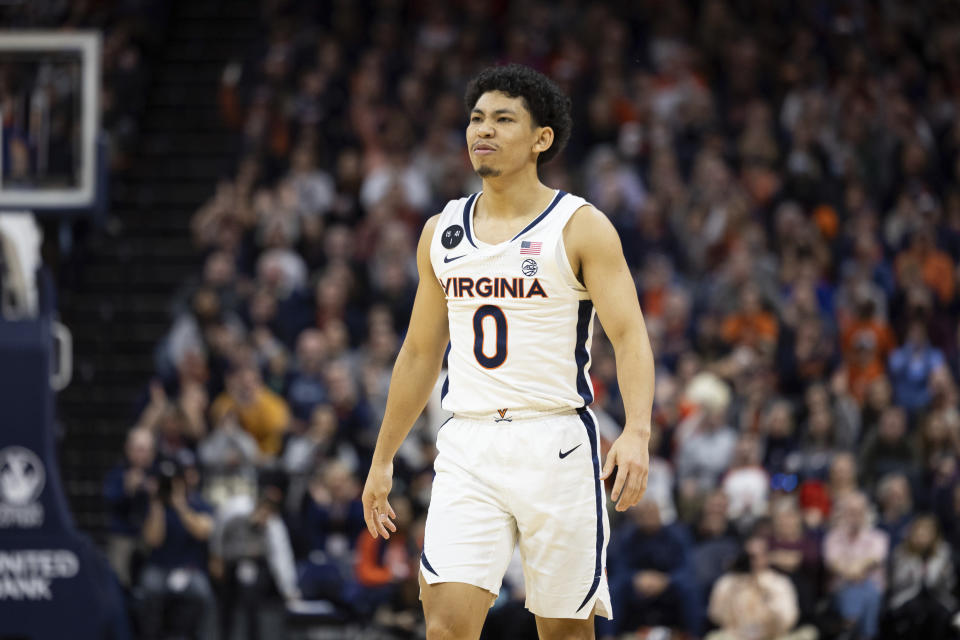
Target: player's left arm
pixel 595 253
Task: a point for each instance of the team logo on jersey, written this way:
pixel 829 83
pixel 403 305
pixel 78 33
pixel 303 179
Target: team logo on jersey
pixel 503 416
pixel 452 236
pixel 529 267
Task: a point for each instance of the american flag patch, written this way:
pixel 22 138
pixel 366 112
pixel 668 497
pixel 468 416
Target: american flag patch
pixel 529 248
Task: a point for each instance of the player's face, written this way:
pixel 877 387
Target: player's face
pixel 502 137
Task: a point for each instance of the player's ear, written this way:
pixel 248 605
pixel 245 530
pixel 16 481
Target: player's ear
pixel 543 140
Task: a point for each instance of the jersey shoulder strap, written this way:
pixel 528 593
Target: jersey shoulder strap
pixel 565 210
pixel 553 233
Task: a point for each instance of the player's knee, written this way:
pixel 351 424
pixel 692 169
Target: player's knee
pixel 446 627
pixel 565 629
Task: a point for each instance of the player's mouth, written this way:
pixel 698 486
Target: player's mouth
pixel 483 149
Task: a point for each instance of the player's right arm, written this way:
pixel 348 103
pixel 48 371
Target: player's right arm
pixel 414 374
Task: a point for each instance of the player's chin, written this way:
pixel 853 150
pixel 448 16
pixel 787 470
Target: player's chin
pixel 486 171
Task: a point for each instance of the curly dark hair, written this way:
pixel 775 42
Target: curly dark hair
pixel 547 104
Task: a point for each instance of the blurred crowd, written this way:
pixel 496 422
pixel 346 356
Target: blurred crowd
pixel 785 178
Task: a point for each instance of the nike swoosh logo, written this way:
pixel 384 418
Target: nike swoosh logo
pixel 564 455
pixel 449 259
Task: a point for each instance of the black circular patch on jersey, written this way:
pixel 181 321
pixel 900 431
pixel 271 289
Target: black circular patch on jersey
pixel 529 267
pixel 452 236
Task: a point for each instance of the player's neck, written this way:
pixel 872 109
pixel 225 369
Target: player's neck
pixel 514 196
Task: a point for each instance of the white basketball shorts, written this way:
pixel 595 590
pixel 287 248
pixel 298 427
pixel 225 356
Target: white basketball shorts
pixel 530 482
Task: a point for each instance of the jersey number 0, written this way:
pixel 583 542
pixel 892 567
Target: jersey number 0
pixel 497 359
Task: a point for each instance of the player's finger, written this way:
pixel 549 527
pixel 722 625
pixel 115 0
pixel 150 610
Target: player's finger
pixel 624 502
pixel 368 518
pixel 388 521
pixel 618 484
pixel 631 492
pixel 610 463
pixel 643 484
pixel 382 518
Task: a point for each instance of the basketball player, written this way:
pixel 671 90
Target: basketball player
pixel 510 277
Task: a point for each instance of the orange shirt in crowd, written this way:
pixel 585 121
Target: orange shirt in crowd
pixel 936 270
pixel 266 418
pixel 750 329
pixel 376 571
pixel 879 335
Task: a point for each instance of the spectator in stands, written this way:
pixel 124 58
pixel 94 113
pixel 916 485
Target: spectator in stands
pixel 879 397
pixel 911 367
pixel 353 413
pixel 922 584
pixel 746 483
pixel 126 490
pixel 220 274
pixel 229 456
pixel 795 552
pixel 863 364
pixel 187 333
pixel 817 448
pixel 840 405
pixel 888 449
pixel 174 586
pixel 754 602
pixel 705 441
pixel 313 450
pixel 777 425
pixel 842 480
pixel 939 440
pixel 314 188
pixel 306 388
pixel 922 259
pixel 303 453
pixel 650 578
pixel 867 331
pixel 260 411
pixel 331 296
pixel 895 503
pixel 251 556
pixel 331 519
pixel 751 325
pixel 855 554
pixel 716 544
pixel 173 432
pixel 176 426
pixel 944 398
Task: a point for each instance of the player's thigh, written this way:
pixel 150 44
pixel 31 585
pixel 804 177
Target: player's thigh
pixel 469 534
pixel 454 609
pixel 562 522
pixel 565 628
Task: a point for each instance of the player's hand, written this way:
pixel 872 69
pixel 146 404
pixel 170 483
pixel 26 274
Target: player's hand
pixel 377 511
pixel 630 455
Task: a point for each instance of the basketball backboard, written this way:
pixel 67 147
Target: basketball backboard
pixel 49 119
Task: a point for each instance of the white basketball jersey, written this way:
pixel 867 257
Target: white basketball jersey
pixel 520 321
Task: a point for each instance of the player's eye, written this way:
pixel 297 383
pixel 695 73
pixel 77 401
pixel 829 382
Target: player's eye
pixel 504 119
pixel 475 119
